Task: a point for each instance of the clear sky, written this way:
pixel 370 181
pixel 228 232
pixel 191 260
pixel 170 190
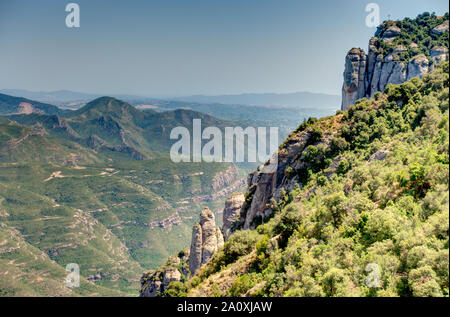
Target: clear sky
pixel 183 47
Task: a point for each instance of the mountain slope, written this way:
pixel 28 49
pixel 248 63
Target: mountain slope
pixel 27 271
pixel 13 105
pixel 59 97
pixel 19 143
pixel 359 206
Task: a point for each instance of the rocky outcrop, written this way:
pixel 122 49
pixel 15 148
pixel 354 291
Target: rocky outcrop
pixel 365 74
pixel 438 54
pixel 166 223
pixel 354 76
pixel 206 239
pixel 263 185
pixel 231 212
pixel 154 283
pixel 220 193
pixel 441 29
pixel 195 257
pixel 418 66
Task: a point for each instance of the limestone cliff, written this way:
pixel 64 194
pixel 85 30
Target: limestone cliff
pixel 393 58
pixel 264 188
pixel 206 239
pixel 225 178
pixel 231 212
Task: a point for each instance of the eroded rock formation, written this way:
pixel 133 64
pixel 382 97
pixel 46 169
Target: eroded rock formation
pixel 354 76
pixel 206 239
pixel 365 74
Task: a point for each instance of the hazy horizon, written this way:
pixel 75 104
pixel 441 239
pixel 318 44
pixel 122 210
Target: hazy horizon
pixel 11 90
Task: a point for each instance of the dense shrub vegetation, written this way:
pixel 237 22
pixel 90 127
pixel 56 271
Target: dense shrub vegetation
pixel 416 31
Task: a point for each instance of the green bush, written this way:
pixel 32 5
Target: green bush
pixel 240 243
pixel 176 289
pixel 290 220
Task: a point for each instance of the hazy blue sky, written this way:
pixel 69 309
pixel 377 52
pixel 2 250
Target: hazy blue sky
pixel 180 47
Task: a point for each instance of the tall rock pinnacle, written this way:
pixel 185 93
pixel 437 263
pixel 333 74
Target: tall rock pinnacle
pixel 206 239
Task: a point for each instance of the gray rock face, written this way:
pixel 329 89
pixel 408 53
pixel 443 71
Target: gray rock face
pixel 418 66
pixel 206 239
pixel 209 238
pixel 392 31
pixel 152 289
pixel 224 178
pixel 438 54
pixel 354 80
pixel 171 274
pixel 220 239
pixel 195 258
pixel 364 75
pixel 263 186
pixel 262 190
pixel 231 212
pixel 441 29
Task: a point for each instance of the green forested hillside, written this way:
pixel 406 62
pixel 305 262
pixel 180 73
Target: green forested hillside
pixel 371 201
pixel 97 188
pixel 100 216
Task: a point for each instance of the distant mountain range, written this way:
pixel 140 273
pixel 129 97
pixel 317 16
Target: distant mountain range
pixel 58 97
pixel 291 100
pixel 285 111
pixel 294 100
pixel 106 124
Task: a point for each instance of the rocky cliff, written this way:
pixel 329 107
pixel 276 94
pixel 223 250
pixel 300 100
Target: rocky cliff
pixel 206 239
pixel 231 213
pixel 395 55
